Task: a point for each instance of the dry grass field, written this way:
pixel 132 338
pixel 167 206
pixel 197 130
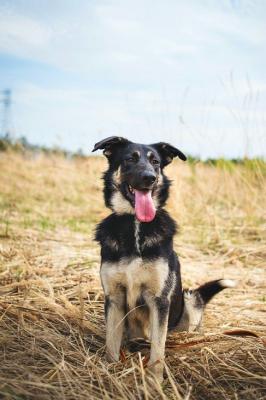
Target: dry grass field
pixel 51 303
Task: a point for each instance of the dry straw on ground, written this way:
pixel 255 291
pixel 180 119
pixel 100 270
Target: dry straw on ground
pixel 51 321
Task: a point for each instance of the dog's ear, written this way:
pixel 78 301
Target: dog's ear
pixel 167 152
pixel 109 144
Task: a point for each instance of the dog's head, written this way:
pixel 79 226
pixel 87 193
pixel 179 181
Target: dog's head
pixel 135 182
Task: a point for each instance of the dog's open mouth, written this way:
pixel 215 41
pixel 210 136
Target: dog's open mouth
pixel 143 202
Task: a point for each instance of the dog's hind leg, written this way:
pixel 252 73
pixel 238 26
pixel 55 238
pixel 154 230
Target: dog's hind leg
pixel 195 301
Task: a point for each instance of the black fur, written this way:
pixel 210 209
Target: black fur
pixel 210 289
pixel 177 303
pixel 120 229
pixel 106 305
pixel 162 304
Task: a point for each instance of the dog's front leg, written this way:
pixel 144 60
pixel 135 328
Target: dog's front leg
pixel 115 316
pixel 159 312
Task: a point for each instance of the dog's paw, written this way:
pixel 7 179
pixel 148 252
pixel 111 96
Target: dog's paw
pixel 111 358
pixel 155 371
pixel 188 294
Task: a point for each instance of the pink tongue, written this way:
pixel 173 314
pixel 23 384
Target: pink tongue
pixel 144 207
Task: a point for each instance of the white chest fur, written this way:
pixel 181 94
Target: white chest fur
pixel 135 275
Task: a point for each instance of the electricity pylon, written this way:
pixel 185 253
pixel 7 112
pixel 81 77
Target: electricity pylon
pixel 5 100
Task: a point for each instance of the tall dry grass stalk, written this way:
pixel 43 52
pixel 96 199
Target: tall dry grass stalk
pixel 51 322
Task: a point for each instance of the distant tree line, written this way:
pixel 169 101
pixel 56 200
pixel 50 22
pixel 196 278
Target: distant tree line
pixel 23 145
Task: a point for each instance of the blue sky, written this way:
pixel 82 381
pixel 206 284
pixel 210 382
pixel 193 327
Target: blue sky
pixel 188 72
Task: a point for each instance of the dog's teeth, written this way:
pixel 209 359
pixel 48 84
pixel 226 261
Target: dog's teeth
pixel 131 189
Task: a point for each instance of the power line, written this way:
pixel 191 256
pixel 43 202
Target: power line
pixel 5 101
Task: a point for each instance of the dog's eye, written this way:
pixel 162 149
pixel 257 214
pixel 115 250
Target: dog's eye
pixel 155 162
pixel 130 159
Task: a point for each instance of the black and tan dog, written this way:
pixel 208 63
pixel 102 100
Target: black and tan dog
pixel 140 271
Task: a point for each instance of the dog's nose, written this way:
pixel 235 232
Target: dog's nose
pixel 149 178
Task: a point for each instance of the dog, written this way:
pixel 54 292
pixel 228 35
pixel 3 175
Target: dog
pixel 140 272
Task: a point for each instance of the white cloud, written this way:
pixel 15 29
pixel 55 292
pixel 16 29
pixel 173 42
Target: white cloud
pixel 16 31
pixel 78 118
pixel 143 32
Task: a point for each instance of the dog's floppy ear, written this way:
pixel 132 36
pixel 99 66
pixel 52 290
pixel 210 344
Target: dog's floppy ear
pixel 108 144
pixel 167 152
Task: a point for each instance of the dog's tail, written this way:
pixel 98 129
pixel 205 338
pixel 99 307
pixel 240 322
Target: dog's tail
pixel 195 300
pixel 208 290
